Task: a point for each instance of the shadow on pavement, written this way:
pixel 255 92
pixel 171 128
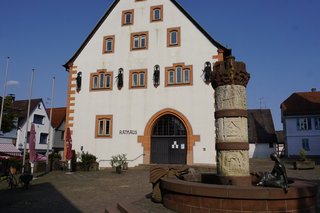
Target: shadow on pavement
pixel 38 198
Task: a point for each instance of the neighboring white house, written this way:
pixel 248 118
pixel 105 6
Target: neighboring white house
pixel 39 117
pixel 261 133
pixel 58 123
pixel 301 123
pixel 165 118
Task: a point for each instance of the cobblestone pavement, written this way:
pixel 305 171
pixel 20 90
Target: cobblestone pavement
pixel 94 191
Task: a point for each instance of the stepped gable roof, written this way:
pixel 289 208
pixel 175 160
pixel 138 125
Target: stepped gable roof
pixel 260 126
pixel 226 50
pixel 301 103
pixel 58 116
pixel 21 107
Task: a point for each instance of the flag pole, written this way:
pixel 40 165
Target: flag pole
pixel 4 92
pixel 50 119
pixel 27 125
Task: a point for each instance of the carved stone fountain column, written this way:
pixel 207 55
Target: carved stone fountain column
pixel 229 80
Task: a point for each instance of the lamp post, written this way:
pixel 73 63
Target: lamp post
pixel 4 91
pixel 27 124
pixel 50 119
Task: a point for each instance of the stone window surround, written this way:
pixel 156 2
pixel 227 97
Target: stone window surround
pixel 169 31
pixel 106 73
pixel 173 68
pixel 138 71
pixel 145 33
pixel 103 118
pixel 123 17
pixel 152 9
pixel 105 39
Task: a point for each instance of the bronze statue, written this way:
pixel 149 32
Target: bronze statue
pixel 158 172
pixel 277 177
pixel 78 80
pixel 156 75
pixel 207 72
pixel 120 78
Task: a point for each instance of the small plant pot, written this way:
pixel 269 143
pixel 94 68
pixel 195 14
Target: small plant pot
pixel 308 164
pixel 118 169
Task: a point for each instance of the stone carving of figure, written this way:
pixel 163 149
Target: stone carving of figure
pixel 120 78
pixel 156 76
pixel 207 72
pixel 277 177
pixel 78 80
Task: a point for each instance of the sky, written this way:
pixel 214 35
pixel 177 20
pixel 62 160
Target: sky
pixel 279 40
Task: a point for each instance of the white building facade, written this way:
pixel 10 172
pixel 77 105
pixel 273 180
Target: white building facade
pixel 301 123
pixel 40 119
pixel 165 118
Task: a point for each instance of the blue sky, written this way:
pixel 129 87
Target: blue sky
pixel 279 40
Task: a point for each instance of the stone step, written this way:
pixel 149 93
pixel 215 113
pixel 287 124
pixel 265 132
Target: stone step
pixel 125 207
pixel 112 210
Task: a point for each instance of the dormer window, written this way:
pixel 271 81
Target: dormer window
pixel 127 17
pixel 156 13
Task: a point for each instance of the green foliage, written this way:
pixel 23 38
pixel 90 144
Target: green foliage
pixel 9 116
pixel 118 160
pixel 54 156
pixel 303 154
pixel 87 158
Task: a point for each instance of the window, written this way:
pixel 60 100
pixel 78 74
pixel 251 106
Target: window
pixel 156 13
pixel 317 123
pixel 138 79
pixel 127 17
pixel 304 123
pixel 179 75
pixel 62 135
pixel 43 138
pixel 139 41
pixel 38 119
pixel 28 137
pixel 174 37
pixel 102 80
pixel 104 126
pixel 305 144
pixel 108 44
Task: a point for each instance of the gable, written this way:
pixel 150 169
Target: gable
pixel 301 103
pixel 117 5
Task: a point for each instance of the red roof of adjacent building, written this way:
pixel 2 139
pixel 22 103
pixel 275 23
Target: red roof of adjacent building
pixel 58 116
pixel 301 103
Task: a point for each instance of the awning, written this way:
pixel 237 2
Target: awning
pixel 9 149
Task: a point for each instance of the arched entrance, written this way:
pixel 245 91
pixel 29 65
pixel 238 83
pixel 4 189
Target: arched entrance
pixel 169 141
pixel 145 139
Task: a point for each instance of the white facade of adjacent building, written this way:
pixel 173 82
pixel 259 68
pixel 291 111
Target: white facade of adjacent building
pixel 39 117
pixel 301 123
pixel 172 122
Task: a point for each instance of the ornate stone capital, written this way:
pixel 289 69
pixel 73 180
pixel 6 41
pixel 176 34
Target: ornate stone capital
pixel 229 72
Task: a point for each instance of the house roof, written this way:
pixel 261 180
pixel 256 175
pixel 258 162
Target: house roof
pixel 21 107
pixel 280 136
pixel 301 103
pixel 58 116
pixel 260 126
pixel 227 51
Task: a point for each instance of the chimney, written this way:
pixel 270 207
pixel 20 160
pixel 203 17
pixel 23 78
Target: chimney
pixel 313 89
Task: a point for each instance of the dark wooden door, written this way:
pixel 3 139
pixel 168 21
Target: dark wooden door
pixel 169 141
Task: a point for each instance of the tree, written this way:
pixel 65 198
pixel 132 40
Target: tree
pixel 9 117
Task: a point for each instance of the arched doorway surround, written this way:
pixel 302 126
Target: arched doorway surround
pixel 145 139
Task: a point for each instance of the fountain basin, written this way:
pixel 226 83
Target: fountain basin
pixel 189 197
